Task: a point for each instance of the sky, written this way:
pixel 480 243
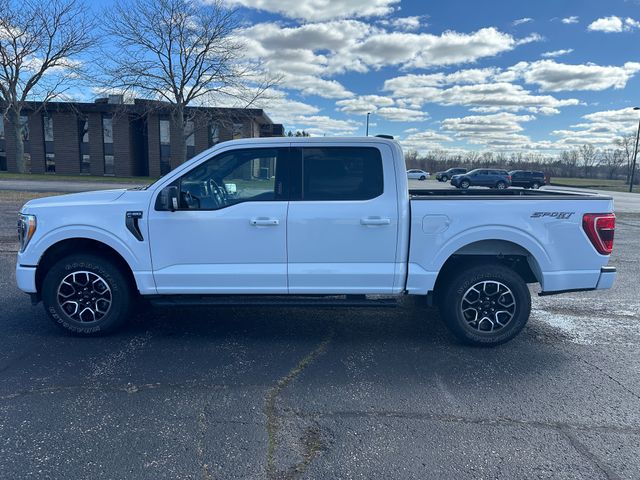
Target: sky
pixel 542 75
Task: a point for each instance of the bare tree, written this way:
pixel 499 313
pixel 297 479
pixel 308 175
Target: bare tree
pixel 40 42
pixel 569 159
pixel 612 160
pixel 181 52
pixel 589 156
pixel 627 144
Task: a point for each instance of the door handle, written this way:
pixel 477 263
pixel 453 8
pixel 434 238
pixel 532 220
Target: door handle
pixel 264 222
pixel 375 221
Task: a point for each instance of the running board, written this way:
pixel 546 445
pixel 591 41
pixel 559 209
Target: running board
pixel 270 300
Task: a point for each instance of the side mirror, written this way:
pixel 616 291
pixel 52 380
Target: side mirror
pixel 168 199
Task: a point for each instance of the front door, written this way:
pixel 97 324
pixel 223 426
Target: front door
pixel 343 222
pixel 229 233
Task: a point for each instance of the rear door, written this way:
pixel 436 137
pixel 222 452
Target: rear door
pixel 342 224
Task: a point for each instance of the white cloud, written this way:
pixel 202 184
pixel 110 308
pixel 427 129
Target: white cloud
pixel 364 104
pixel 534 37
pixel 381 106
pixel 613 24
pixel 500 130
pixel 315 10
pixel 324 125
pixel 326 49
pixel 311 85
pixel 417 90
pixel 570 20
pixel 557 53
pixel 520 21
pixel 405 23
pixel 601 128
pixel 399 114
pixel 556 77
pixel 423 141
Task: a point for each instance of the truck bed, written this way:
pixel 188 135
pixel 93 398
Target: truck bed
pixel 546 229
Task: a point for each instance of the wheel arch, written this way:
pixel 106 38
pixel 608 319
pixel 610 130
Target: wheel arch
pixel 76 245
pixel 504 252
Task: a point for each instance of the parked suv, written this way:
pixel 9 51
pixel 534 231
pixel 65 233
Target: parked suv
pixel 447 174
pixel 527 179
pixel 483 177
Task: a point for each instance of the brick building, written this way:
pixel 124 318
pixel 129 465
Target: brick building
pixel 109 137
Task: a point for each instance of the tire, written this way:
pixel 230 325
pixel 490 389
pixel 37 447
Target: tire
pixel 87 295
pixel 535 185
pixel 501 185
pixel 464 184
pixel 444 178
pixel 485 283
pixel 423 177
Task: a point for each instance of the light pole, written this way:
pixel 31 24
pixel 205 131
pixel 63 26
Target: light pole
pixel 368 113
pixel 635 154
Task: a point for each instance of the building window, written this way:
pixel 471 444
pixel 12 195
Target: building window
pixel 50 162
pixel 214 134
pixel 47 127
pixel 3 154
pixel 165 146
pixel 237 131
pixel 85 164
pixel 83 135
pixel 24 122
pixel 84 131
pixel 165 132
pixel 107 129
pixel 189 132
pixel 109 168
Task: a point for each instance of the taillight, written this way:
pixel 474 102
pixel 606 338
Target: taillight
pixel 599 227
pixel 509 177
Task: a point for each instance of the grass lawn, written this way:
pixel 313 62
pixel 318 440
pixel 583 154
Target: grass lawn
pixel 77 178
pixel 598 183
pixel 18 196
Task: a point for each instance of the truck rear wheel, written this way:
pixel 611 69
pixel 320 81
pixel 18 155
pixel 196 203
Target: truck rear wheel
pixel 485 305
pixel 86 294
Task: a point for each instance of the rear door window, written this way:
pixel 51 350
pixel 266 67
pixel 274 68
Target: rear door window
pixel 341 173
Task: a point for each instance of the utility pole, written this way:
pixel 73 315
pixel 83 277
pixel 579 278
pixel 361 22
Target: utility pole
pixel 369 113
pixel 635 154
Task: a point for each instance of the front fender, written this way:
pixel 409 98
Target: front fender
pixel 39 245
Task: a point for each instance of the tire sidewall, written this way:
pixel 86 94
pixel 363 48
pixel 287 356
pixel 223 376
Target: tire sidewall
pixel 462 282
pixel 120 291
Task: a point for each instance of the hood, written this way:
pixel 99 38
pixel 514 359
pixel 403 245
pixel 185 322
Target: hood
pixel 98 197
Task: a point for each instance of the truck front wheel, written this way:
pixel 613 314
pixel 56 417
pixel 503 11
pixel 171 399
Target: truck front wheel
pixel 485 305
pixel 86 294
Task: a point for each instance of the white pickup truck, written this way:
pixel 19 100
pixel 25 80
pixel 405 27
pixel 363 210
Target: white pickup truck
pixel 314 221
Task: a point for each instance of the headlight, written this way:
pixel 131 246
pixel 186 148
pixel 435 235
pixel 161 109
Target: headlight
pixel 26 229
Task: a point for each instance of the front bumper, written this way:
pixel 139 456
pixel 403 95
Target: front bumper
pixel 26 278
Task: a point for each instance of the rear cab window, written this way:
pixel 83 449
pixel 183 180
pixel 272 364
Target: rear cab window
pixel 340 173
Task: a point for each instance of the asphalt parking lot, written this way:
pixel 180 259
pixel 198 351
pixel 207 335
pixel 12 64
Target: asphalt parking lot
pixel 312 393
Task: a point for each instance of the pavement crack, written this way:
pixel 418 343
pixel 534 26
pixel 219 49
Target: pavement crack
pixel 583 450
pixel 449 418
pixel 200 444
pixel 311 443
pixel 613 379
